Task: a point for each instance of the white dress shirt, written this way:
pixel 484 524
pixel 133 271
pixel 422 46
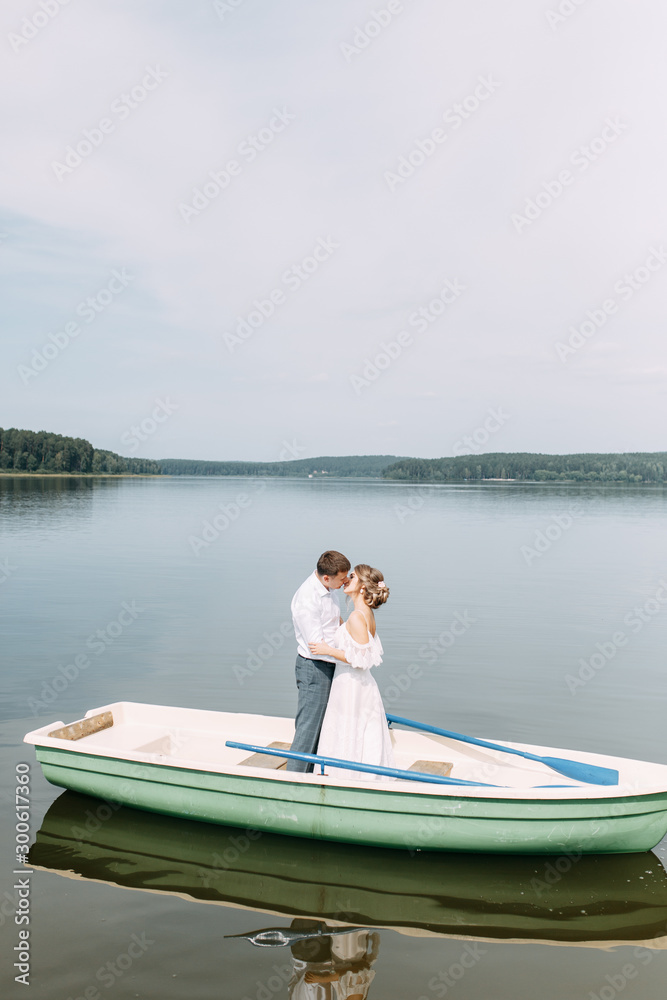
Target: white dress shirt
pixel 316 616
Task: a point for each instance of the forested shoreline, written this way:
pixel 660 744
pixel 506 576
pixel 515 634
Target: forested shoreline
pixel 41 452
pixel 341 466
pixel 630 467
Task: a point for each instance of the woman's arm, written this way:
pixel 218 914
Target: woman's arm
pixel 324 649
pixel 356 627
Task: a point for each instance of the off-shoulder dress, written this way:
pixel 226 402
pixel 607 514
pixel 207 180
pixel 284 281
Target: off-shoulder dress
pixel 355 724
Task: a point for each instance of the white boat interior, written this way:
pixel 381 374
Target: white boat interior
pixel 195 739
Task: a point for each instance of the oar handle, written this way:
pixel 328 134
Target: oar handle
pixel 458 736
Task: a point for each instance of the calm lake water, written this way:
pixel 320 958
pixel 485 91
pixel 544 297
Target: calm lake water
pixel 174 591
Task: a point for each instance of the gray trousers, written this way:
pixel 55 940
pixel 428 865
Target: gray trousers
pixel 313 681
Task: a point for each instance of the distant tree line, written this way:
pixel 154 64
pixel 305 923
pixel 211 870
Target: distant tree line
pixel 350 465
pixel 630 467
pixel 40 451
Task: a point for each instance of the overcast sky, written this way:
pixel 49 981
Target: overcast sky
pixel 252 228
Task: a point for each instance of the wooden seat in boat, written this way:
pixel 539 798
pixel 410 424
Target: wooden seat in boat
pixel 84 727
pixel 267 760
pixel 441 767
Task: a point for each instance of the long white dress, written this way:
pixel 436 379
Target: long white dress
pixel 355 724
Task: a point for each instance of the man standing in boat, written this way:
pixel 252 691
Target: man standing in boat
pixel 316 616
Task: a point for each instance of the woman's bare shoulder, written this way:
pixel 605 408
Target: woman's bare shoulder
pixel 357 627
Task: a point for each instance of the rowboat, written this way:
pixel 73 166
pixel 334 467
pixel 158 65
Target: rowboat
pixel 445 794
pixel 591 901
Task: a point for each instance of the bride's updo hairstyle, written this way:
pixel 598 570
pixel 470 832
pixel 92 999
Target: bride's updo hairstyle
pixel 376 591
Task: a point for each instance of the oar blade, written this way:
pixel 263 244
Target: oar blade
pixel 592 774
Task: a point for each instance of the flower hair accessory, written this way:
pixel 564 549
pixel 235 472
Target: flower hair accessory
pixel 382 585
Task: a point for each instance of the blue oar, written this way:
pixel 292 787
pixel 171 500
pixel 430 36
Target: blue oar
pixel 590 773
pixel 355 765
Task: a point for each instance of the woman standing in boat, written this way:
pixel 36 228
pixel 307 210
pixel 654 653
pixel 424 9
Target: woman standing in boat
pixel 355 724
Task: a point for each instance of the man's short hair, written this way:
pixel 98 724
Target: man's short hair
pixel 331 563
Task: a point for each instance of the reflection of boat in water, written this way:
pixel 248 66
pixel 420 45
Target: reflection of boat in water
pixel 590 899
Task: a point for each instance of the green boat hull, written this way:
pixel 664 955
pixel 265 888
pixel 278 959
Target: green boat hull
pixel 369 816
